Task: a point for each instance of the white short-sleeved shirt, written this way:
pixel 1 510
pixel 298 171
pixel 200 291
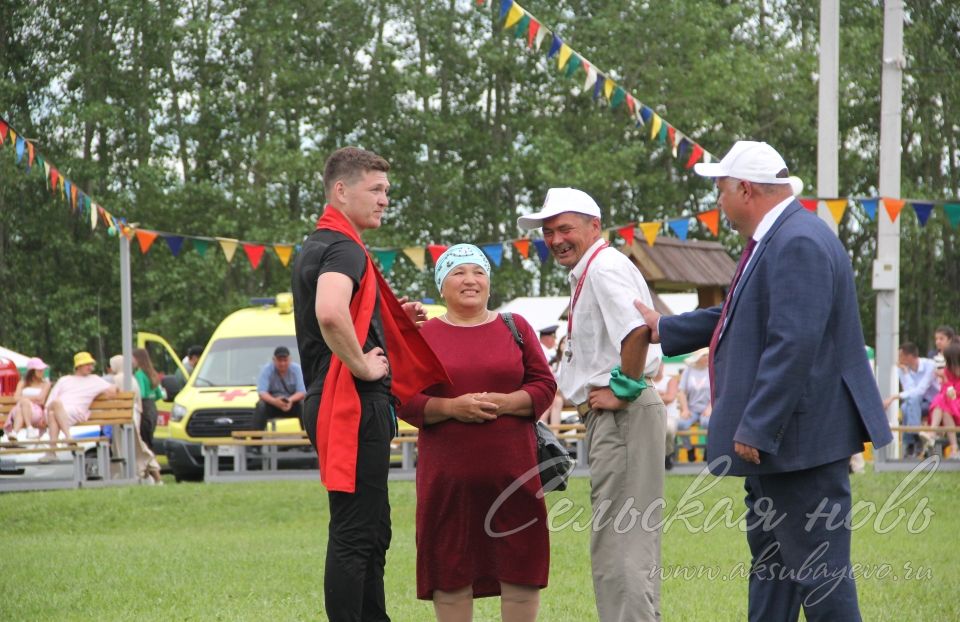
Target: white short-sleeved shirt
pixel 603 316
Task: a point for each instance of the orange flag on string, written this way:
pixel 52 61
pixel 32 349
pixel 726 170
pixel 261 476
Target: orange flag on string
pixel 145 238
pixel 712 220
pixel 893 207
pixel 523 247
pixel 283 251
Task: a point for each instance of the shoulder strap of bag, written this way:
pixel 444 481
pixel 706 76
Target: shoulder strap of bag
pixel 507 318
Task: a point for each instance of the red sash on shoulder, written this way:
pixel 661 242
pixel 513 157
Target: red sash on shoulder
pixel 413 365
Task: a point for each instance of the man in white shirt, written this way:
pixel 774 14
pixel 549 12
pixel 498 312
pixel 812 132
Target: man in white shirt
pixel 607 369
pixel 919 386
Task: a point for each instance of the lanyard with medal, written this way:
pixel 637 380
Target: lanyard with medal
pixel 573 302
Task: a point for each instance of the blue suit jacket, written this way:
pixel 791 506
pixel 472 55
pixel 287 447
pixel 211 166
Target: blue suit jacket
pixel 791 371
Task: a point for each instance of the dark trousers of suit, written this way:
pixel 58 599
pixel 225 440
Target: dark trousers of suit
pixel 798 561
pixel 359 533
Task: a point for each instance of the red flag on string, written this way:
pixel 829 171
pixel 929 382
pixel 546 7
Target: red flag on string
pixel 435 251
pixel 254 253
pixel 145 238
pixel 532 33
pixel 809 204
pixel 695 155
pixel 627 233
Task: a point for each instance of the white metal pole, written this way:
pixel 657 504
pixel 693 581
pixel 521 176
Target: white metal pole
pixel 886 271
pixel 828 130
pixel 126 313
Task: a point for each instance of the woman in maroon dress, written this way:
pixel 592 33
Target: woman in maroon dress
pixel 477 536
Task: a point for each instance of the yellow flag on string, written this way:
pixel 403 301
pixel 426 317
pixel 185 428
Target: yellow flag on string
pixel 415 253
pixel 229 247
pixel 514 16
pixel 655 126
pixel 608 88
pixel 564 57
pixel 837 208
pixel 650 231
pixel 283 251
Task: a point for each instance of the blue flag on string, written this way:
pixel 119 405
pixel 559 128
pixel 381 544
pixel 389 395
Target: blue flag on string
pixel 21 145
pixel 542 250
pixel 870 207
pixel 505 7
pixel 494 252
pixel 645 114
pixel 923 212
pixel 598 85
pixel 680 227
pixel 554 46
pixel 175 242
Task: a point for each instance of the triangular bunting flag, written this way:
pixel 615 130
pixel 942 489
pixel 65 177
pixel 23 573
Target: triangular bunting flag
pixel 229 247
pixel 532 32
pixel 386 259
pixel 923 212
pixel 809 204
pixel 672 137
pixel 627 234
pixel 598 86
pixel 712 220
pixel 514 15
pixel 837 208
pixel 542 251
pixel 505 7
pixel 608 85
pixel 145 238
pixel 46 174
pixel 680 227
pixel 572 65
pixel 435 251
pixel 284 251
pixel 541 35
pixel 523 247
pixel 646 114
pixel 494 252
pixel 94 212
pixel 415 254
pixel 952 210
pixel 175 242
pixel 893 207
pixel 655 126
pixel 650 231
pixel 73 197
pixel 29 154
pixel 254 253
pixel 662 134
pixel 618 96
pixel 591 78
pixel 200 246
pixel 3 130
pixel 522 25
pixel 695 155
pixel 564 56
pixel 870 207
pixel 631 104
pixel 21 147
pixel 554 46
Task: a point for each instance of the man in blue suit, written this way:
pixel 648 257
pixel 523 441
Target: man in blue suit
pixel 793 393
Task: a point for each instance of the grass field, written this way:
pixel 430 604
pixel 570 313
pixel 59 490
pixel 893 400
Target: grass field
pixel 255 552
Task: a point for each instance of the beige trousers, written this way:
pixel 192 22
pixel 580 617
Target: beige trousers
pixel 626 450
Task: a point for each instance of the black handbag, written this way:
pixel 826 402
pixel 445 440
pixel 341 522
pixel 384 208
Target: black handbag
pixel 554 460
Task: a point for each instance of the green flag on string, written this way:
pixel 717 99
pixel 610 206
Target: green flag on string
pixel 953 213
pixel 201 246
pixel 386 259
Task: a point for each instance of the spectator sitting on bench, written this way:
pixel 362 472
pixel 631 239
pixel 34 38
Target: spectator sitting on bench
pixel 281 390
pixel 30 395
pixel 946 405
pixel 70 399
pixel 919 386
pixel 694 396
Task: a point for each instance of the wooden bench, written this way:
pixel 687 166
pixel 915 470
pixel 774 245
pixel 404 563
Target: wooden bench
pixel 270 442
pixel 115 410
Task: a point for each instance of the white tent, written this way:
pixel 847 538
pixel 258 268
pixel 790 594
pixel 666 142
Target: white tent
pixel 18 359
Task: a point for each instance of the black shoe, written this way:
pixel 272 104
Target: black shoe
pixel 668 462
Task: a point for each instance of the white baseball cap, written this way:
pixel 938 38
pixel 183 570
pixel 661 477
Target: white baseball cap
pixel 750 161
pixel 558 201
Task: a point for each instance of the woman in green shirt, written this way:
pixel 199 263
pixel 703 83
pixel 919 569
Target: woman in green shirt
pixel 150 391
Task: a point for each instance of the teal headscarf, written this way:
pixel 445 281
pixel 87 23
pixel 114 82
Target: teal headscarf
pixel 457 255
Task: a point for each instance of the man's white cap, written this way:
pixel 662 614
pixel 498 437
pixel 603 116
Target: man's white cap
pixel 558 201
pixel 750 161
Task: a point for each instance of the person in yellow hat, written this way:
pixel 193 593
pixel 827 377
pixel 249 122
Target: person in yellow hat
pixel 69 401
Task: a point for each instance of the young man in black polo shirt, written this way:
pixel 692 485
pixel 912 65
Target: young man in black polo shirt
pixel 329 280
